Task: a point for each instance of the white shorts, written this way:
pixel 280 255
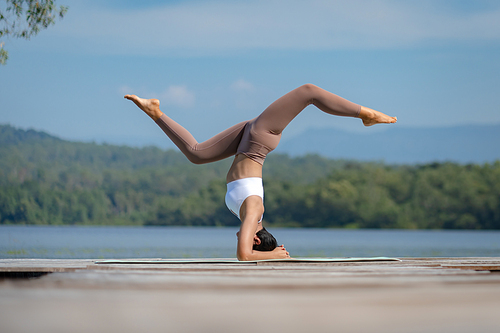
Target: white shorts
pixel 239 190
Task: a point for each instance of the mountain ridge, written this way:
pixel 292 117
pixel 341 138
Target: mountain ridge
pixel 461 144
pixel 399 145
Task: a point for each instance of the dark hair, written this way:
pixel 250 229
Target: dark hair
pixel 267 241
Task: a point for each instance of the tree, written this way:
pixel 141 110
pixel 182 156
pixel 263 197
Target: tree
pixel 25 18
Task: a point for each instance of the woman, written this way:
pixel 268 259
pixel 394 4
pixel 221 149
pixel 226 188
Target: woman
pixel 250 141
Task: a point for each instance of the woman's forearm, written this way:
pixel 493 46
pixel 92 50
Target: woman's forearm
pixel 279 253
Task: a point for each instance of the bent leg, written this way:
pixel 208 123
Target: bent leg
pixel 214 149
pixel 281 112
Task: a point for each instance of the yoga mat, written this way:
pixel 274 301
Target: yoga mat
pixel 236 261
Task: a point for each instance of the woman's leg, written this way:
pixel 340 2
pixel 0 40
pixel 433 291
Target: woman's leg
pixel 214 149
pixel 219 147
pixel 280 113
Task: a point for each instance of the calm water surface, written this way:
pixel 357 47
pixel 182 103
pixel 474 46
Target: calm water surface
pixel 184 242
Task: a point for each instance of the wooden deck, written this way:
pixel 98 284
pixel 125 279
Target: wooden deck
pixel 412 295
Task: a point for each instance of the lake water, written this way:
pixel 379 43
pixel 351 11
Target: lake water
pixel 185 242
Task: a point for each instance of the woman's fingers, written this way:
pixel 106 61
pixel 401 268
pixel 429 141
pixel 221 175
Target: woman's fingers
pixel 282 247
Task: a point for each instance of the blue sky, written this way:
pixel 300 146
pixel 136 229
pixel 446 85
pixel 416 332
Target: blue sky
pixel 214 63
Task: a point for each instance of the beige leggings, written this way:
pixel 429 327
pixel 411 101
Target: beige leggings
pixel 257 137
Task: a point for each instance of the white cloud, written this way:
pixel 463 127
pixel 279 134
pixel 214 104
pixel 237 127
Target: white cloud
pixel 242 85
pixel 125 90
pixel 179 96
pixel 217 27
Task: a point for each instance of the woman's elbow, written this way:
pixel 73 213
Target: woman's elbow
pixel 243 256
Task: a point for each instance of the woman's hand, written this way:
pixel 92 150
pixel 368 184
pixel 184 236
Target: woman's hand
pixel 281 252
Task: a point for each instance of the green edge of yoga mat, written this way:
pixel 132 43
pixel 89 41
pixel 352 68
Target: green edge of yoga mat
pixel 235 261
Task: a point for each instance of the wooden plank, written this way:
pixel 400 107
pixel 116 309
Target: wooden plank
pixel 235 261
pixel 405 266
pixel 477 267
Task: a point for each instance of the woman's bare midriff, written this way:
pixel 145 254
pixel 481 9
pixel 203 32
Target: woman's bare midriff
pixel 243 167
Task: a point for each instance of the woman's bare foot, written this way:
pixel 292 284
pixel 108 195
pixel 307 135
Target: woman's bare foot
pixel 371 117
pixel 150 106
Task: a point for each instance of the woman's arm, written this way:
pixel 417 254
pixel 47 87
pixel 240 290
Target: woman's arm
pixel 250 213
pixel 278 253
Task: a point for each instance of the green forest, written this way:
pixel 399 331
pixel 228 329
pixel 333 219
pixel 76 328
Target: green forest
pixel 48 181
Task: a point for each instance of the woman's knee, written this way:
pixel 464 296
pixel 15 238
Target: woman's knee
pixel 309 91
pixel 195 159
pixel 308 88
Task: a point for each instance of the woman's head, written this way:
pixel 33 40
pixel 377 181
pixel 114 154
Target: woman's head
pixel 267 241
